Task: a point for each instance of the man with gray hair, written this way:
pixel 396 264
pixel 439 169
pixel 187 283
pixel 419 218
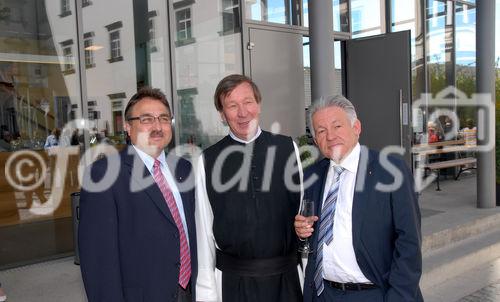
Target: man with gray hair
pixel 367 239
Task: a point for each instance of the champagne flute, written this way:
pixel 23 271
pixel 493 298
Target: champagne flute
pixel 307 210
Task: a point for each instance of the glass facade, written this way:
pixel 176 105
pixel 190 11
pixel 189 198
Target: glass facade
pixel 39 95
pixel 442 57
pixel 340 15
pixel 136 43
pixel 339 83
pixel 367 18
pixel 275 11
pixel 213 51
pixel 51 76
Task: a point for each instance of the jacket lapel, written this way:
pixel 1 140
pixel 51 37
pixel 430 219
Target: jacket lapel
pixel 317 192
pixel 132 160
pixel 320 191
pixel 364 183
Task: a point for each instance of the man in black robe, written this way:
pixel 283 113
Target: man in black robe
pixel 248 192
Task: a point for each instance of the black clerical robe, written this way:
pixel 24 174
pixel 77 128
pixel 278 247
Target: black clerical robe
pixel 246 226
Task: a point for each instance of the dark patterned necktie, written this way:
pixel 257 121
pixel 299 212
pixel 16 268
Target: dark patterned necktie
pixel 325 234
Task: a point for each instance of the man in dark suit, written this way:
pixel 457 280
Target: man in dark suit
pixel 367 239
pixel 137 234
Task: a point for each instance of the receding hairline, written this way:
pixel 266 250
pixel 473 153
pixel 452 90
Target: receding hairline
pixel 336 101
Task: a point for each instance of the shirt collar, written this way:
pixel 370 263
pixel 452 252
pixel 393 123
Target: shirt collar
pixel 149 160
pixel 231 134
pixel 350 162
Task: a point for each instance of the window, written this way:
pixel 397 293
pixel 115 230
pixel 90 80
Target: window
pixel 152 34
pixel 67 53
pixel 183 24
pixel 68 57
pixel 115 52
pixel 275 11
pixel 88 44
pixel 65 8
pixel 114 43
pixel 366 18
pixel 230 16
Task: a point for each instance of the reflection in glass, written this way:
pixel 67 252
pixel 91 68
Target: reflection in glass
pixel 305 13
pixel 213 52
pixel 406 16
pixel 230 16
pixel 275 11
pixel 307 71
pixel 114 40
pixel 39 95
pixel 440 65
pixel 465 47
pixel 366 18
pixel 440 45
pixel 340 16
pixel 183 22
pixel 338 80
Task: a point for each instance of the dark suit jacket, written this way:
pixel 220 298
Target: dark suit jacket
pixel 385 226
pixel 128 241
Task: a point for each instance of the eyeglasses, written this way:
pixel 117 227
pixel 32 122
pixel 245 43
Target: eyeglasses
pixel 149 119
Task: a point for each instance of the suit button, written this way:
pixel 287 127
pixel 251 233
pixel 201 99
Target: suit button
pixel 176 235
pixel 174 296
pixel 178 264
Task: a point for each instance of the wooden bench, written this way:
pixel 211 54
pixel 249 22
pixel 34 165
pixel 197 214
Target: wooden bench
pixel 461 162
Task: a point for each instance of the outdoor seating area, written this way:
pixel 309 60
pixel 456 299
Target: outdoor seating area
pixel 434 157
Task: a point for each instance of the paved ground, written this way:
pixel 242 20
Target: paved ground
pixel 490 293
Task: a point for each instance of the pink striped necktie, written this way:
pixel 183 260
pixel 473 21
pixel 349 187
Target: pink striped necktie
pixel 185 269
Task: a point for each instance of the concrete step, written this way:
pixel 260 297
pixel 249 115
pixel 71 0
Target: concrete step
pixel 465 284
pixel 455 259
pixel 461 231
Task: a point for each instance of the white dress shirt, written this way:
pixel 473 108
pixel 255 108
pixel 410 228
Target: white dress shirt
pixel 339 259
pixel 209 280
pixel 149 163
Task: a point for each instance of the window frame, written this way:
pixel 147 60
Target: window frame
pixel 185 22
pixel 231 11
pixel 152 34
pixel 67 52
pixel 115 52
pixel 89 53
pixel 65 8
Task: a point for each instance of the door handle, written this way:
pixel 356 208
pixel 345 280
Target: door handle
pixel 401 116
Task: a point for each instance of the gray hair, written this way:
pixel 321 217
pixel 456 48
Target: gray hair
pixel 338 101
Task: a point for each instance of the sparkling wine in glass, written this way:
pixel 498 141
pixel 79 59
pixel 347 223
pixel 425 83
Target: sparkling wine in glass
pixel 307 210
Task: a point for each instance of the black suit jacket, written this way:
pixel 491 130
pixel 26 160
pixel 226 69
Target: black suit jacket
pixel 385 227
pixel 128 240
